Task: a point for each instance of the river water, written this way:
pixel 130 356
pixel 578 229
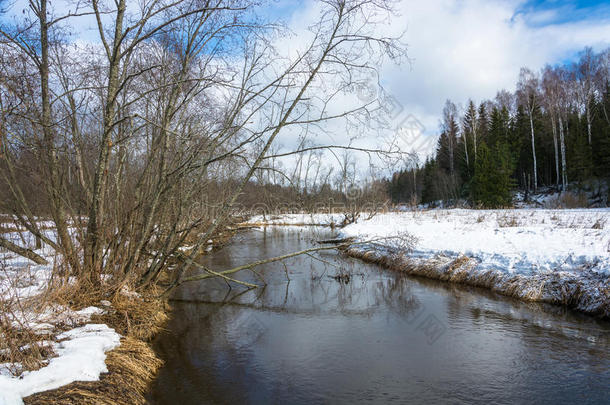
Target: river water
pixel 381 337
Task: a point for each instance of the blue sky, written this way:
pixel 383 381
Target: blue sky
pixel 542 13
pixel 473 48
pixel 487 41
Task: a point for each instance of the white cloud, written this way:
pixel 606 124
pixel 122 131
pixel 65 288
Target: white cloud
pixel 472 48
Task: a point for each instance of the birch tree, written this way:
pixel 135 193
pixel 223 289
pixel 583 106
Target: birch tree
pixel 527 93
pixel 584 75
pixel 450 127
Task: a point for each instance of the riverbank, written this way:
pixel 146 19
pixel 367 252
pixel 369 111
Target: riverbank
pixel 586 293
pixel 554 256
pixel 63 343
pixel 130 367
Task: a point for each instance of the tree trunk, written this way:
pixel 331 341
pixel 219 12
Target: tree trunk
pixel 564 175
pixel 54 187
pixel 534 154
pixel 554 126
pixel 588 114
pixel 27 253
pixel 466 152
pixel 94 240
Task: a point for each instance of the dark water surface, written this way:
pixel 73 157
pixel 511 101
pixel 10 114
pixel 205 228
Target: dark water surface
pixel 381 338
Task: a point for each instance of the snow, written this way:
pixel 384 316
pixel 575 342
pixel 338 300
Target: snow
pixel 523 241
pixel 44 321
pixel 80 352
pixel 555 256
pixel 80 357
pixel 519 241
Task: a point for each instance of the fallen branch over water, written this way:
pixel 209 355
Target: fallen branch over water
pixel 403 243
pixel 224 274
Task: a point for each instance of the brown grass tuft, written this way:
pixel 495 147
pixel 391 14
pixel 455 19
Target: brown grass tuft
pixel 599 224
pixel 138 318
pixel 508 221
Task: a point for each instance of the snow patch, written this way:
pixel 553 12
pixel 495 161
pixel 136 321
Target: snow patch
pixel 81 356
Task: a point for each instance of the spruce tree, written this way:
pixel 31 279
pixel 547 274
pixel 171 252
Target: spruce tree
pixel 428 194
pixel 491 184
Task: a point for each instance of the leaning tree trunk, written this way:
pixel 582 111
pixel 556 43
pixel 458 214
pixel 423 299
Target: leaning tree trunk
pixel 588 114
pixel 27 253
pixel 466 153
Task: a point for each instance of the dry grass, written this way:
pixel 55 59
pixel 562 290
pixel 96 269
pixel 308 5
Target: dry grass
pixel 131 366
pixel 599 224
pixel 569 200
pixel 20 348
pixel 138 318
pixel 508 221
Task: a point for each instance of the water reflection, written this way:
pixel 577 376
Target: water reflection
pixel 382 337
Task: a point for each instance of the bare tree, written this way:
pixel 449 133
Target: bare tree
pixel 527 93
pixel 136 129
pixel 584 72
pixel 556 89
pixel 551 101
pixel 602 80
pixel 450 127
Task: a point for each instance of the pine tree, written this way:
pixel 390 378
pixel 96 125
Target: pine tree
pixel 470 133
pixel 443 153
pixel 601 136
pixel 581 165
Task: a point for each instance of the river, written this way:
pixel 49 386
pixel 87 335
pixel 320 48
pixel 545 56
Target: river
pixel 381 337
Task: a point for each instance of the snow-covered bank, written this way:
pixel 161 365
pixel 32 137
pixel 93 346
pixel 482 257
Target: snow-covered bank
pixel 527 241
pixel 297 219
pixel 76 346
pixel 555 256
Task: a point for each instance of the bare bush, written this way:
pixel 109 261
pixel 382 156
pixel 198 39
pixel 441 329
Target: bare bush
pixel 121 145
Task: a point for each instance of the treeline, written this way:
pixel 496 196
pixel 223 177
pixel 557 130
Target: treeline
pixel 553 131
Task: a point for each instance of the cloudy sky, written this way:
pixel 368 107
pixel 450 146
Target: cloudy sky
pixel 461 49
pixel 472 48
